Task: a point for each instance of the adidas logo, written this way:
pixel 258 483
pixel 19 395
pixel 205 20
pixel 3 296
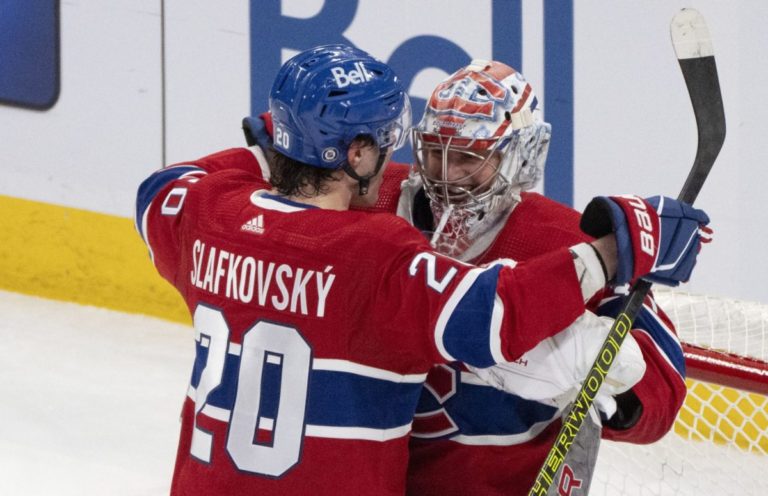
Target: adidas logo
pixel 255 225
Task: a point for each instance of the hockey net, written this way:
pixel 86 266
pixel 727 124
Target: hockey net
pixel 719 444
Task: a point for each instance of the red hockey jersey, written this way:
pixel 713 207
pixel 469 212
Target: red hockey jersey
pixel 315 329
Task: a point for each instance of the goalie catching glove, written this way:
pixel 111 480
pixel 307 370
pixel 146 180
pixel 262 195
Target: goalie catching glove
pixel 552 372
pixel 657 238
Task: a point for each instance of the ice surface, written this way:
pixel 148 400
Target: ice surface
pixel 89 399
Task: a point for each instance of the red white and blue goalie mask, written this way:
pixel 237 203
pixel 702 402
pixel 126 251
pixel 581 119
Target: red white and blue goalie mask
pixel 483 118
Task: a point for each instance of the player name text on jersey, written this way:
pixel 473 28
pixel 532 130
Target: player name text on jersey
pixel 242 278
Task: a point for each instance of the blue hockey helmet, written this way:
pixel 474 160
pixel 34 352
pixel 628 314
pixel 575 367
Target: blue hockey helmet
pixel 325 97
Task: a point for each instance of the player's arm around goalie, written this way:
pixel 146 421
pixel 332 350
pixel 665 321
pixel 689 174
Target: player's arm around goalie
pixel 651 362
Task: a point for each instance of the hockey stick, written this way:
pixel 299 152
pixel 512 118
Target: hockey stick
pixel 693 48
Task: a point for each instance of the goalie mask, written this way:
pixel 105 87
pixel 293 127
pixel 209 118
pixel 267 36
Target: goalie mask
pixel 477 147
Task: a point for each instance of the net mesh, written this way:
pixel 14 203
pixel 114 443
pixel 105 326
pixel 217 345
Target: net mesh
pixel 719 444
pixel 725 324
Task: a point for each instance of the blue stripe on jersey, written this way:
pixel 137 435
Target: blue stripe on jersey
pixel 153 184
pixel 350 400
pixel 337 399
pixel 484 410
pixel 646 321
pixel 467 333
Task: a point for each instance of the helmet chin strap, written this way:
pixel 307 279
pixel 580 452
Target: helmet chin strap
pixel 364 181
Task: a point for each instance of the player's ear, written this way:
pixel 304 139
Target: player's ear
pixel 355 153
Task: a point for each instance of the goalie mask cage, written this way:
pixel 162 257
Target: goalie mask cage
pixel 719 443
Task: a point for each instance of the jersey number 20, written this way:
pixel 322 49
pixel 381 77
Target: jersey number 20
pixel 265 344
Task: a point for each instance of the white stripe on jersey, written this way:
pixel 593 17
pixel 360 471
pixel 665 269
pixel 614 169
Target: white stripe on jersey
pixel 365 370
pixel 363 433
pixel 433 434
pixel 494 339
pixel 498 316
pixel 660 349
pixel 191 175
pixel 504 440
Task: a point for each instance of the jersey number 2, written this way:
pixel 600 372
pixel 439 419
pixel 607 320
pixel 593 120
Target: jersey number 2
pixel 430 261
pixel 265 345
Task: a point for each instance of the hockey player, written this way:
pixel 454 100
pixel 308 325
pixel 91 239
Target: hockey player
pixel 315 326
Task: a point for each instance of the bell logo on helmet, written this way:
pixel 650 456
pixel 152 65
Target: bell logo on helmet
pixel 330 154
pixel 355 76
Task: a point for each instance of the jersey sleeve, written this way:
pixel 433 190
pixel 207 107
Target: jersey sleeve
pixel 482 315
pixel 659 395
pixel 163 196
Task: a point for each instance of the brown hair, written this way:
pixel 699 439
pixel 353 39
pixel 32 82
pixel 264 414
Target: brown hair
pixel 293 178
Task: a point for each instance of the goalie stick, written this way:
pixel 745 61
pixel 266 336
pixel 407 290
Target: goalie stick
pixel 693 48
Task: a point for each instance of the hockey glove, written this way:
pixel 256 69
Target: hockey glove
pixel 657 238
pixel 258 131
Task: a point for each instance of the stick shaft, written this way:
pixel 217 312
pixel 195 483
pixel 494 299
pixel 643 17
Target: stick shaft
pixel 694 50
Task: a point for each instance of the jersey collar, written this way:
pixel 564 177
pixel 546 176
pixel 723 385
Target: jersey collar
pixel 266 200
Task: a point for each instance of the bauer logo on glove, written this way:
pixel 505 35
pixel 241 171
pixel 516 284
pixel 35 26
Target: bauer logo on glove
pixel 657 238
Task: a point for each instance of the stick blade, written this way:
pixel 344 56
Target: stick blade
pixel 690 35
